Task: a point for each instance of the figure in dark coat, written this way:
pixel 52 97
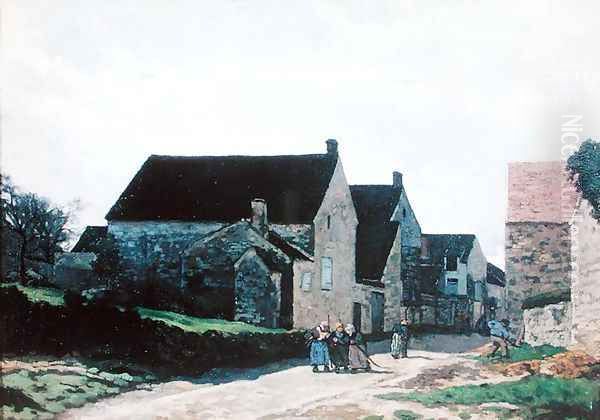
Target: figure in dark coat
pixel 338 343
pixel 400 339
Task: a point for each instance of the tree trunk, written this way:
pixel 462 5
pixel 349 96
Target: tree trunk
pixel 22 268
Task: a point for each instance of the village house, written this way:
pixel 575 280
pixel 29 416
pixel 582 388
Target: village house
pixel 287 242
pixel 454 280
pixel 387 242
pixel 275 232
pixel 552 258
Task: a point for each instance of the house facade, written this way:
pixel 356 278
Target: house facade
pixel 387 241
pixel 198 222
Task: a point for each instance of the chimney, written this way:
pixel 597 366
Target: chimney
pixel 332 147
pixel 397 180
pixel 259 216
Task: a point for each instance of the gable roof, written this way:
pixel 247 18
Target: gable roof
pixel 223 248
pixel 495 275
pixel 375 203
pixel 220 188
pixel 375 233
pixel 91 239
pixel 449 245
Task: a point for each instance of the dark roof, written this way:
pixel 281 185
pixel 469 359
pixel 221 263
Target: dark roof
pixel 449 245
pixel 375 203
pixel 373 245
pixel 375 233
pixel 220 188
pixel 91 239
pixel 495 275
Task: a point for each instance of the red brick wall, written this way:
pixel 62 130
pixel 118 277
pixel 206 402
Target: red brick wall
pixel 539 192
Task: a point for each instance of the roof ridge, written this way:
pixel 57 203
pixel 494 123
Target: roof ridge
pixel 182 157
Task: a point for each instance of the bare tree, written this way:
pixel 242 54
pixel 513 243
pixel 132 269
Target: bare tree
pixel 40 227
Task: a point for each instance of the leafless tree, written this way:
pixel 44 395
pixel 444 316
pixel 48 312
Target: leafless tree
pixel 40 227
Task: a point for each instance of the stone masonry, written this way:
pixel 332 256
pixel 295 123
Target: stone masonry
pixel 538 244
pixel 585 291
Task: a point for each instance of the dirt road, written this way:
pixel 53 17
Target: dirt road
pixel 289 390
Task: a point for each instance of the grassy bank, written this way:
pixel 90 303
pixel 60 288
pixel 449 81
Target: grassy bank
pixel 526 352
pixel 202 325
pixel 54 297
pixel 567 397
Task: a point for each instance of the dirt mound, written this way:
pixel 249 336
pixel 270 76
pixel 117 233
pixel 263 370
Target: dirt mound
pixel 568 365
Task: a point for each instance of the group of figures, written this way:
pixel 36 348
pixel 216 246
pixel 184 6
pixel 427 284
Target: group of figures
pixel 344 349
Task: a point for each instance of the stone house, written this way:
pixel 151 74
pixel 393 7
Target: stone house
pixel 552 258
pixel 541 202
pixel 453 272
pixel 289 220
pixel 388 239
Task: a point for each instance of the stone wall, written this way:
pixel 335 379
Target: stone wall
pixel 74 271
pixel 538 258
pixel 550 324
pixel 335 238
pixel 585 291
pixel 257 292
pixel 156 246
pixel 393 287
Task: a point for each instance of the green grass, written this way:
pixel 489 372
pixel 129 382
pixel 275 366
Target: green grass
pixel 201 325
pixel 534 391
pixel 406 415
pixel 40 294
pixel 527 352
pixel 46 392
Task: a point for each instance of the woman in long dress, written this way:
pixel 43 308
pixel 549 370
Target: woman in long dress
pixel 357 351
pixel 319 353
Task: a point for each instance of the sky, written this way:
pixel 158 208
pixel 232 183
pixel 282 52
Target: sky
pixel 446 92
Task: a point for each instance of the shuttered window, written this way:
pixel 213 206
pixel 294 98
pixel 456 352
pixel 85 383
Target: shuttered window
pixel 306 281
pixel 326 273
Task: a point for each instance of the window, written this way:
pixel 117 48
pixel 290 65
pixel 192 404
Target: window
pixel 306 281
pixel 404 213
pixel 451 263
pixel 328 222
pixel 326 273
pixel 452 286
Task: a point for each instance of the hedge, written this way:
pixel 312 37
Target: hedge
pixel 100 331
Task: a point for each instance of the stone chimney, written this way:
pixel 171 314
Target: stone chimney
pixel 332 147
pixel 397 183
pixel 259 216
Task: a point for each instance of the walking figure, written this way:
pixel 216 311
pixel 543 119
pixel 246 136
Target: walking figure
pixel 400 339
pixel 319 352
pixel 358 357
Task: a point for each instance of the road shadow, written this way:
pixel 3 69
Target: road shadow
pixel 221 376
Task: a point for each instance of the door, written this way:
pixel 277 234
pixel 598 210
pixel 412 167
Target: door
pixel 377 312
pixel 357 316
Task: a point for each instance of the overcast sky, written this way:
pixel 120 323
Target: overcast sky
pixel 446 92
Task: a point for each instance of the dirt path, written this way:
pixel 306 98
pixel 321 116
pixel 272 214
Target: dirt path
pixel 290 390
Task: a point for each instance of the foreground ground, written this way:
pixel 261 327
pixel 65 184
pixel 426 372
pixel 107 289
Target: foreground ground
pixel 290 390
